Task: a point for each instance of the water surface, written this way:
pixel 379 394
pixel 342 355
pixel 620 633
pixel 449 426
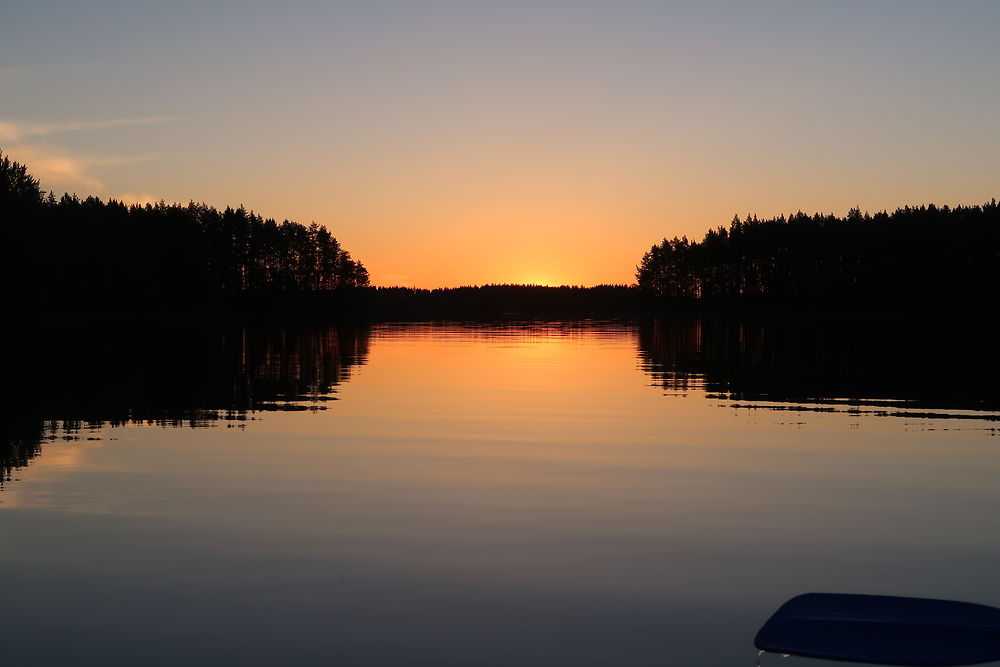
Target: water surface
pixel 539 494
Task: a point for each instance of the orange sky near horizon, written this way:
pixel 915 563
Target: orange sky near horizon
pixel 449 143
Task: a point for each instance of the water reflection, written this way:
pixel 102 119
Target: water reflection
pixel 69 384
pixel 925 369
pixel 72 383
pixel 514 495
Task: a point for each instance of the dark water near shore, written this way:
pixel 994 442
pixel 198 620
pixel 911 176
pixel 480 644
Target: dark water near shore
pixel 578 493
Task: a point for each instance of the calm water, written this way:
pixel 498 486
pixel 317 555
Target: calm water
pixel 575 494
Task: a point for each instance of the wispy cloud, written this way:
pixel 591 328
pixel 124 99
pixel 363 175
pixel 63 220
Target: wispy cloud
pixel 56 168
pixel 19 131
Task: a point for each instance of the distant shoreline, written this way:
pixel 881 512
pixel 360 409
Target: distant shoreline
pixel 490 303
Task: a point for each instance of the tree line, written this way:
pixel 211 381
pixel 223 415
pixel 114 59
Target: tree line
pixel 503 302
pixel 91 249
pixel 74 252
pixel 915 254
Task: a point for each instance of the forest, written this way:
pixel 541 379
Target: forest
pixel 70 251
pixel 73 255
pixel 915 255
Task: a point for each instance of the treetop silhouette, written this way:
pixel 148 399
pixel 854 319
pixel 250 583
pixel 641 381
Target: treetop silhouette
pixel 92 250
pixel 914 255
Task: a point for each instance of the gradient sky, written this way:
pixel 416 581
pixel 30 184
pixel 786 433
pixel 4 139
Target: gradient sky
pixel 451 143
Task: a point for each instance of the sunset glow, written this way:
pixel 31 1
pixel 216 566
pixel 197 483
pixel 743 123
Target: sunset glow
pixel 457 143
pixel 500 332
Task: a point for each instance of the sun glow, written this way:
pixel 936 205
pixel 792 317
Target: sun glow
pixel 540 282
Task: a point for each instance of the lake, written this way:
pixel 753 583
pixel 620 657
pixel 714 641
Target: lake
pixel 576 493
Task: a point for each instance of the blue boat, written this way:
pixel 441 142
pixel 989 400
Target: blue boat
pixel 883 630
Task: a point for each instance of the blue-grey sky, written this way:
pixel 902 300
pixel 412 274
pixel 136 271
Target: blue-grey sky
pixel 451 143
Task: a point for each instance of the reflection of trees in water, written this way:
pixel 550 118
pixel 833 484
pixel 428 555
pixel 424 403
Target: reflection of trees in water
pixel 65 384
pixel 880 364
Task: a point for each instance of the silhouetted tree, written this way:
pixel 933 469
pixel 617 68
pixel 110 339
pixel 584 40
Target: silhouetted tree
pixel 90 251
pixel 17 187
pixel 913 255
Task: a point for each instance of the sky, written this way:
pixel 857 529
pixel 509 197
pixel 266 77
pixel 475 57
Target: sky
pixel 451 143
